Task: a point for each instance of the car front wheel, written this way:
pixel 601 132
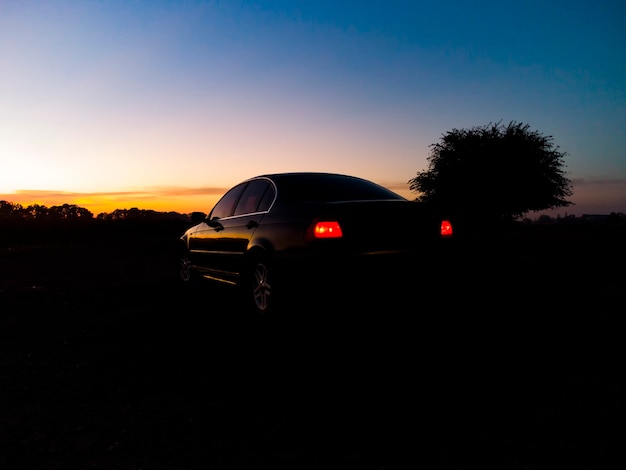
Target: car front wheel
pixel 184 267
pixel 259 287
pixel 262 287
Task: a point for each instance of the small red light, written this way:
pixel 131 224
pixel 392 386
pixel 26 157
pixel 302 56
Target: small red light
pixel 446 228
pixel 327 229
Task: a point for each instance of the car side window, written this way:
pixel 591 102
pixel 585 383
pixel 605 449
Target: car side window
pixel 267 198
pixel 225 207
pixel 251 197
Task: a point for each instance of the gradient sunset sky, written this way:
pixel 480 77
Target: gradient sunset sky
pixel 166 104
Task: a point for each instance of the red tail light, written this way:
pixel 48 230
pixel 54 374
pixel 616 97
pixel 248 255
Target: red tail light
pixel 325 229
pixel 446 228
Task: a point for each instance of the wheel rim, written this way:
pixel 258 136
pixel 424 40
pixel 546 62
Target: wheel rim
pixel 261 287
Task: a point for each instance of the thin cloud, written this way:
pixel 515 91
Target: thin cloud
pixel 178 191
pixel 155 192
pixel 48 194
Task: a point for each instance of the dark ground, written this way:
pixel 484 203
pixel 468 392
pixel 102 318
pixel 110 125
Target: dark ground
pixel 509 357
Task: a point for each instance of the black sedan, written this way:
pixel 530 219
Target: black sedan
pixel 272 232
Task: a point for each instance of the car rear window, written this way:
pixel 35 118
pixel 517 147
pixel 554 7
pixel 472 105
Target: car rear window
pixel 332 188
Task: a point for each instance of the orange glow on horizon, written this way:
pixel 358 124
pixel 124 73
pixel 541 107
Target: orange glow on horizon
pixel 97 204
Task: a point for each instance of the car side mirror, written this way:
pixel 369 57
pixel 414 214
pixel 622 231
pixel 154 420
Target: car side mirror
pixel 214 223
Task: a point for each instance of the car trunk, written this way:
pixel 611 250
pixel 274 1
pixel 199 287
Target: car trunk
pixel 383 226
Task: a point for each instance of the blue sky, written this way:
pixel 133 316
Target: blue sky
pixel 164 105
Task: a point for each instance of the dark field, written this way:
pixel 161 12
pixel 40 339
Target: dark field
pixel 507 355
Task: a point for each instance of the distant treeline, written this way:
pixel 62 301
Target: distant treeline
pixel 15 212
pixel 72 224
pixel 612 218
pixel 70 212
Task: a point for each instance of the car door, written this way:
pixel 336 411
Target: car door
pixel 219 245
pixel 238 230
pixel 204 243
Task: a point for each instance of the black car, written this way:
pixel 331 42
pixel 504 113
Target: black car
pixel 287 230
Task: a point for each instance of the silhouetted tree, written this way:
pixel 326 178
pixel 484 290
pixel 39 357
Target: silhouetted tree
pixel 37 211
pixel 493 173
pixel 10 211
pixel 69 212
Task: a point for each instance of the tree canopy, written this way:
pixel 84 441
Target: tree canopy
pixel 494 172
pixel 14 211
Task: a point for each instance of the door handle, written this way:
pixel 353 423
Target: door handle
pixel 252 224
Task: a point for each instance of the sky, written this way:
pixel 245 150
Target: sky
pixel 164 105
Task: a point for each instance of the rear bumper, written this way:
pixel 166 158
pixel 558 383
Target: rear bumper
pixel 376 271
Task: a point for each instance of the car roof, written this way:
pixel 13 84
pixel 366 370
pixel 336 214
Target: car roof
pixel 301 184
pixel 304 174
